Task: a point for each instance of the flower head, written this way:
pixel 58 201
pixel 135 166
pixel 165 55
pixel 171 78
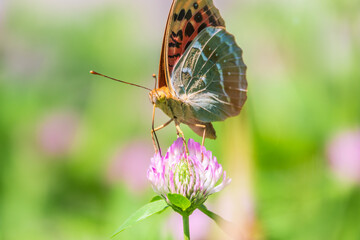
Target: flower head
pixel 343 152
pixel 193 175
pixel 57 132
pixel 129 164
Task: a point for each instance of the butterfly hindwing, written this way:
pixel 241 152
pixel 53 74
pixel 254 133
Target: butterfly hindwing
pixel 185 21
pixel 210 76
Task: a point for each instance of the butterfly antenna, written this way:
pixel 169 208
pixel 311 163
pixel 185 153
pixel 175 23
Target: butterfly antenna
pixel 132 84
pixel 155 78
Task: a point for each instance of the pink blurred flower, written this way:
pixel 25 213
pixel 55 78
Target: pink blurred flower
pixel 129 164
pixel 343 152
pixel 56 133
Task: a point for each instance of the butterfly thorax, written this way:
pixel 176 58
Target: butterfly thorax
pixel 170 105
pixel 180 110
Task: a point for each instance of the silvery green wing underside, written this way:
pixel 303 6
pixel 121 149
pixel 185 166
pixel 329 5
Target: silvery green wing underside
pixel 210 76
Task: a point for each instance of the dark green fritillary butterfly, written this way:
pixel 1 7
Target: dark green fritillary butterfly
pixel 202 75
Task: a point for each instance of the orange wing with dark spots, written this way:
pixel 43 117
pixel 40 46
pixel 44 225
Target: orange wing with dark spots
pixel 185 21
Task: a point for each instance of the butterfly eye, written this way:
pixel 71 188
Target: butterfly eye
pixel 162 96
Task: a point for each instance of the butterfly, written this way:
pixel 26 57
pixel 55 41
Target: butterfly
pixel 202 76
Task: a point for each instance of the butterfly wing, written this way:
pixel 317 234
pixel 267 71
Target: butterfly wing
pixel 210 76
pixel 186 19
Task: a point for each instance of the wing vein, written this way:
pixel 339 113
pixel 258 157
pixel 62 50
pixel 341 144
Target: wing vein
pixel 202 49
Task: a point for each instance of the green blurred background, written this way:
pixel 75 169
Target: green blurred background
pixel 75 147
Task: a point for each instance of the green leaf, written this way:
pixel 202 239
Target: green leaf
pixel 179 201
pixel 156 198
pixel 144 212
pixel 228 227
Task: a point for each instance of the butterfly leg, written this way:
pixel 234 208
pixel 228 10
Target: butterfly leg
pixel 156 147
pixel 153 134
pixel 179 131
pixel 203 137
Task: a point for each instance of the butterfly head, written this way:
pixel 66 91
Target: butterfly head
pixel 159 96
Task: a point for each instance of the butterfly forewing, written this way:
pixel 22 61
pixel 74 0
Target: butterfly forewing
pixel 185 21
pixel 210 76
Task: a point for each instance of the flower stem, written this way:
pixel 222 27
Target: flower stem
pixel 186 226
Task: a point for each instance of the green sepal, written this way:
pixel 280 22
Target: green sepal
pixel 156 198
pixel 144 212
pixel 179 201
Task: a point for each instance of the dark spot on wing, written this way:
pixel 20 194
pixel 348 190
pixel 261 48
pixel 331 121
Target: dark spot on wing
pixel 181 15
pixel 187 44
pixel 202 26
pixel 198 17
pixel 189 30
pixel 174 40
pixel 174 44
pixel 174 56
pixel 206 9
pixel 188 15
pixel 196 5
pixel 178 34
pixel 212 21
